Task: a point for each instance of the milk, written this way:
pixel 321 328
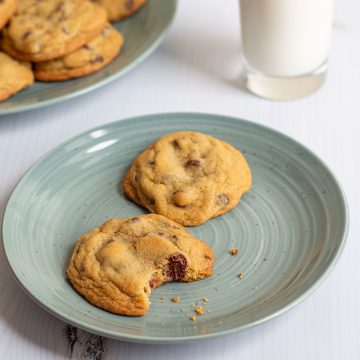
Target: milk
pixel 286 37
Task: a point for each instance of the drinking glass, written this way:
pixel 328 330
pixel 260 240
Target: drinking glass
pixel 285 46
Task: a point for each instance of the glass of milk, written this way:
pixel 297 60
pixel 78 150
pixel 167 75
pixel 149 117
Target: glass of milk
pixel 286 46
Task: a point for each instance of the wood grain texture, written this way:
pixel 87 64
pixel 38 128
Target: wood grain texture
pixel 197 69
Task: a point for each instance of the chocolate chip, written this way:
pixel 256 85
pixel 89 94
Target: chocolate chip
pixel 110 241
pixel 222 200
pixel 175 237
pixel 55 12
pixel 177 266
pixel 207 257
pixel 176 144
pixel 164 224
pixel 58 7
pixel 129 4
pixel 151 162
pixel 87 47
pixel 151 201
pixel 195 163
pixel 65 30
pixel 99 58
pixel 26 34
pixel 158 233
pixel 135 219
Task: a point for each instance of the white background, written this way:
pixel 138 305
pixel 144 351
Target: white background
pixel 197 68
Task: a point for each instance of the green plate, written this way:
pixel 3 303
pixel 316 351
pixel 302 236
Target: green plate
pixel 143 33
pixel 289 229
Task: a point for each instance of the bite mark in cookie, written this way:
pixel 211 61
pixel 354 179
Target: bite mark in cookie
pixel 117 265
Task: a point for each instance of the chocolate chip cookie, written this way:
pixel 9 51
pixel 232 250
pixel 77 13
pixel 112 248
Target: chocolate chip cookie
pixel 48 29
pixel 14 76
pixel 188 177
pixel 7 8
pixel 116 266
pixel 91 57
pixel 120 9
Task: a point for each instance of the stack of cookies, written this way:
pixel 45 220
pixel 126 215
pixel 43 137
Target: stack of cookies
pixel 52 40
pixel 184 179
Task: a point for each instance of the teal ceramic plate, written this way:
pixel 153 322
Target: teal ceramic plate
pixel 289 229
pixel 143 32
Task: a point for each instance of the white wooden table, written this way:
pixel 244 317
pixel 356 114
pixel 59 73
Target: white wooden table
pixel 197 68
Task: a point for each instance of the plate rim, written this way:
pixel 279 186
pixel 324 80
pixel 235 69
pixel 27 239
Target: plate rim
pixel 143 56
pixel 191 338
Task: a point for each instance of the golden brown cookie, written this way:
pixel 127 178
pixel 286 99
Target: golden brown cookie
pixel 14 76
pixel 188 177
pixel 120 9
pixel 47 29
pixel 116 266
pixel 90 58
pixel 7 8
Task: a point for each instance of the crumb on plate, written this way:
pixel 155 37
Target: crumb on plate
pixel 199 310
pixel 233 251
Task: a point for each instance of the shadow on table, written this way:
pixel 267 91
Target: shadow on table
pixel 227 347
pixel 218 58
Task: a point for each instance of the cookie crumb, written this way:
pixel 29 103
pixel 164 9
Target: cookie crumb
pixel 205 301
pixel 241 276
pixel 175 299
pixel 193 318
pixel 199 310
pixel 233 251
